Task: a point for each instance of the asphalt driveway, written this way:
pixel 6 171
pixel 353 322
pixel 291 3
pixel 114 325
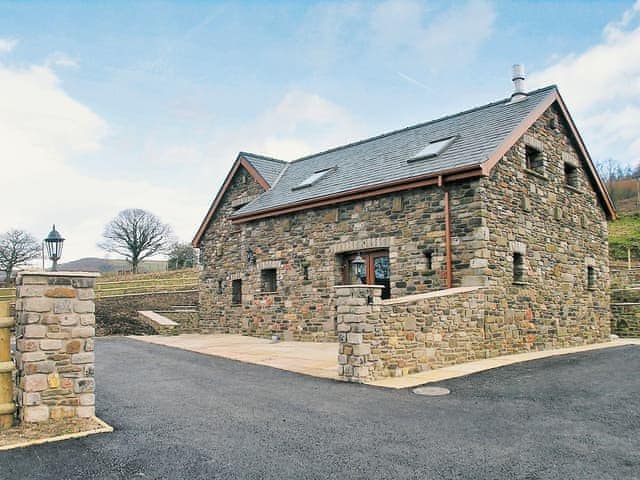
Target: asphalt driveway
pixel 182 415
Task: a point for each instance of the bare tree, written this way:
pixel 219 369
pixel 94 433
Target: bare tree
pixel 182 255
pixel 17 247
pixel 136 234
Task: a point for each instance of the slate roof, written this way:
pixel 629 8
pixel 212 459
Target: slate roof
pixel 268 168
pixel 383 159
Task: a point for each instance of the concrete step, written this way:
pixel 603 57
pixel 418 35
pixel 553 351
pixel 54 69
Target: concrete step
pixel 159 323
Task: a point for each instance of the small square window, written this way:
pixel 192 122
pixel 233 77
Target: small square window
pixel 219 287
pixel 268 280
pixel 591 278
pixel 571 175
pixel 534 160
pixel 518 268
pixel 236 292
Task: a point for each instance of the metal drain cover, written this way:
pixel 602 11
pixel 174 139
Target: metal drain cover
pixel 431 391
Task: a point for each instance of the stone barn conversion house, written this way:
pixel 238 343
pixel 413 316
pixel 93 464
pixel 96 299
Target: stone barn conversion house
pixel 485 232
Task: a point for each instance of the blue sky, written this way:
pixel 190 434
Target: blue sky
pixel 110 105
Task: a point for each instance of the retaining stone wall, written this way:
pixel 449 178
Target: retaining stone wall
pixel 118 315
pixel 54 345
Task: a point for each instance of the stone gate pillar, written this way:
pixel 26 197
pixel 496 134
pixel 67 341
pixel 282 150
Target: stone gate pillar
pixel 54 345
pixel 358 310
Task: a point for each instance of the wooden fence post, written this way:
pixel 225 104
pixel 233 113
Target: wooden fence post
pixel 7 405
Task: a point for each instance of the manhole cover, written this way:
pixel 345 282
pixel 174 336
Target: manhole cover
pixel 431 391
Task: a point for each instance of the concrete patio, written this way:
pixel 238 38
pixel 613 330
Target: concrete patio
pixel 308 358
pixel 320 359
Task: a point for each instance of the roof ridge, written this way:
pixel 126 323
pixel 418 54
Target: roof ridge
pixel 263 157
pixel 419 125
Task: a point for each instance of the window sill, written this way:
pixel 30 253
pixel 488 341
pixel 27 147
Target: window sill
pixel 520 283
pixel 573 189
pixel 269 292
pixel 541 176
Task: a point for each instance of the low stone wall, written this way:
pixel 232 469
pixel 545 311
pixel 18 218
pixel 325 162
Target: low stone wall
pixel 625 312
pixel 397 337
pixel 380 338
pixel 621 278
pixel 626 319
pixel 118 315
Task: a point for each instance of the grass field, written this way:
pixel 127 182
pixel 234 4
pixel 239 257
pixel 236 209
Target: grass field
pixel 112 284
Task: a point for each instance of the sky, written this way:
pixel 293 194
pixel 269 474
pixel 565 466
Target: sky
pixel 112 105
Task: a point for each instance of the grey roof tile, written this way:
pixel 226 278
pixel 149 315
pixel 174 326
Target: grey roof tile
pixel 383 159
pixel 268 167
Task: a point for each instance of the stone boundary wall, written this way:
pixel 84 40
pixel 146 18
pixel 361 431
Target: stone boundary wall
pixel 397 337
pixel 621 278
pixel 625 312
pixel 118 315
pixel 625 319
pixel 54 345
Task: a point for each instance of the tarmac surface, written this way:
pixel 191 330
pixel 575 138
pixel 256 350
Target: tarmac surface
pixel 184 415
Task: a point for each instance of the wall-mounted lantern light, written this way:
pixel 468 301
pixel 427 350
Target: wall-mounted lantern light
pixel 358 269
pixel 54 243
pixel 251 257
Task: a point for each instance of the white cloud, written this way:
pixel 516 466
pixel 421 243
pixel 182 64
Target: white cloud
pixel 45 132
pixel 60 59
pixel 602 88
pixel 403 27
pixel 7 44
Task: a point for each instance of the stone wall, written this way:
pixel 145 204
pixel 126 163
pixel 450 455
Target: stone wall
pixel 560 231
pixel 313 242
pixel 397 337
pixel 118 315
pixel 625 308
pixel 54 345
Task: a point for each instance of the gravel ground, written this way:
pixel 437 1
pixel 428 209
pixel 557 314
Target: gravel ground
pixel 182 415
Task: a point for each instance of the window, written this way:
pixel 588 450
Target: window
pixel 518 268
pixel 305 272
pixel 236 292
pixel 591 278
pixel 428 256
pixel 433 149
pixel 268 280
pixel 314 178
pixel 534 160
pixel 571 175
pixel 219 287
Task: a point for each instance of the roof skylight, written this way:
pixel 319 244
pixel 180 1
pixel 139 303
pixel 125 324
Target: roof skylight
pixel 433 149
pixel 314 178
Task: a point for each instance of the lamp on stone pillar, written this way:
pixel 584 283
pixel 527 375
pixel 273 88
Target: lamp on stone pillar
pixel 358 268
pixel 54 243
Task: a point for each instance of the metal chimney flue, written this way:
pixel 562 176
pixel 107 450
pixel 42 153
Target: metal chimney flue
pixel 517 76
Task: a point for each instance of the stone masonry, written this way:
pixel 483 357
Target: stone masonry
pixel 55 329
pixel 397 337
pixel 358 308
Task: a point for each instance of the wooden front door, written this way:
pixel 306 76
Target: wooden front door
pixel 377 270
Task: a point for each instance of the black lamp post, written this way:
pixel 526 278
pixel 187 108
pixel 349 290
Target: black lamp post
pixel 54 243
pixel 358 268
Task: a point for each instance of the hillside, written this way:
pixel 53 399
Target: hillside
pixel 624 233
pixel 94 264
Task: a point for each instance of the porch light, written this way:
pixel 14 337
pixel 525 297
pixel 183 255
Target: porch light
pixel 251 257
pixel 54 243
pixel 358 268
